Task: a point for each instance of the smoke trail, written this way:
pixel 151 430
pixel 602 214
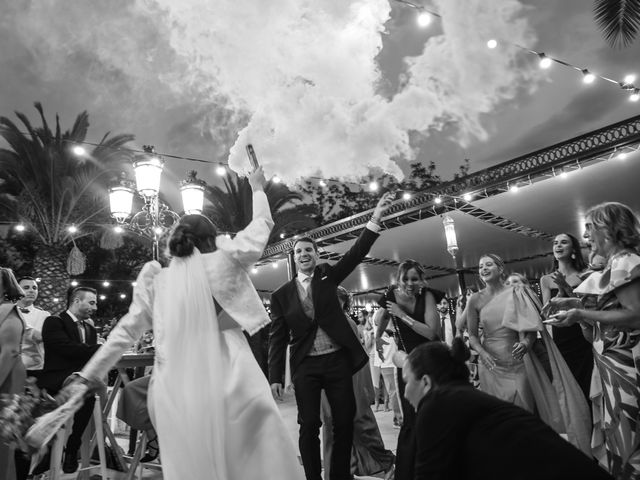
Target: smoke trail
pixel 297 78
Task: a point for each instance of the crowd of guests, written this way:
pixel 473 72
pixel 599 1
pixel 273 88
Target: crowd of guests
pixel 504 385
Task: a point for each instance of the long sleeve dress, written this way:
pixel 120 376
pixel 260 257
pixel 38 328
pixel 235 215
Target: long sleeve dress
pixel 210 402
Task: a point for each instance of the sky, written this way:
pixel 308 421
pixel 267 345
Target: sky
pixel 330 89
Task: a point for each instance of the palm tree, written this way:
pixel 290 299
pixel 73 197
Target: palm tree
pixel 230 208
pixel 618 20
pixel 47 188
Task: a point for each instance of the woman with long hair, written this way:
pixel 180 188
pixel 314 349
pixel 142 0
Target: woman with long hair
pixel 568 268
pixel 210 402
pixel 412 309
pixel 464 433
pixel 12 371
pixel 510 319
pixel 613 327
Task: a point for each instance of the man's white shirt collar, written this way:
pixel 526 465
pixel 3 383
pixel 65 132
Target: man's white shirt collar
pixel 302 277
pixel 73 317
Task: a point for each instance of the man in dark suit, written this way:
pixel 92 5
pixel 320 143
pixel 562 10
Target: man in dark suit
pixel 325 352
pixel 69 342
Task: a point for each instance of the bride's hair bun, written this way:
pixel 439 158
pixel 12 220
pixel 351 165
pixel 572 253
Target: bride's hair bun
pixel 192 231
pixel 182 241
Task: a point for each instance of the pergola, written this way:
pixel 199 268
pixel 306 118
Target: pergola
pixel 555 186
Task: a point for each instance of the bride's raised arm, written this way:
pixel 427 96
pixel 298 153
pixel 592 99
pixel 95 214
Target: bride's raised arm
pixel 129 329
pixel 247 246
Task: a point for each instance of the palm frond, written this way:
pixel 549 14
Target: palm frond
pixel 619 20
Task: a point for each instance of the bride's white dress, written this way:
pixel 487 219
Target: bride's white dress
pixel 209 400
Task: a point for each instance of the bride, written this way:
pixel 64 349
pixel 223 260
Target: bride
pixel 209 400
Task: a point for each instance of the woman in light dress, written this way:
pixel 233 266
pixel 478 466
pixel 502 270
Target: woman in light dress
pixel 210 402
pixel 510 318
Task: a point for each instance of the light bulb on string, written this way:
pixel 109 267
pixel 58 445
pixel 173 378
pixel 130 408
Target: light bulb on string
pixel 588 76
pixel 467 197
pixel 635 96
pixel 322 183
pixel 492 44
pixel 629 79
pixel 158 230
pixel 254 270
pixel 221 171
pixel 545 62
pixel 72 229
pixel 274 265
pixel 123 296
pixel 74 283
pixel 276 179
pixel 514 188
pixel 438 200
pixel 106 283
pixel 622 156
pixel 423 19
pixel 118 229
pixel 406 196
pixel 103 297
pixel 20 228
pixel 373 186
pixel 79 150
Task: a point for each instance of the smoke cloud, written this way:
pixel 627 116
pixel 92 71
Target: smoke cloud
pixel 298 79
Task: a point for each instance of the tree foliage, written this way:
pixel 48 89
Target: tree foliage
pixel 619 20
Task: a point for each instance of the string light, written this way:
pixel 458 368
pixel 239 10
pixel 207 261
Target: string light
pixel 123 296
pixel 406 196
pixel 467 197
pixel 103 297
pixel 118 229
pixel 274 265
pixel 105 283
pixel 322 183
pixel 221 171
pixel 72 229
pixel 622 156
pixel 74 283
pixel 133 284
pixel 438 200
pixel 373 186
pixel 514 188
pixel 254 270
pixel 545 62
pixel 423 19
pixel 588 76
pixel 20 227
pixel 276 179
pixel 79 150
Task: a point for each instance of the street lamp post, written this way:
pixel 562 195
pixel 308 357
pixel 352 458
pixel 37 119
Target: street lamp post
pixel 155 216
pixel 452 248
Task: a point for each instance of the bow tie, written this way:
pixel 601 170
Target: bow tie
pixel 24 310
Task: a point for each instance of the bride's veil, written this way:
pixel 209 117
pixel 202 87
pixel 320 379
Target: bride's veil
pixel 188 391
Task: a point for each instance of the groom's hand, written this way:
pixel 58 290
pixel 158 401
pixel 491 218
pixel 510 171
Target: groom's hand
pixel 276 390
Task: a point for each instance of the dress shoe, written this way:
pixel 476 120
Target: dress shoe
pixel 70 464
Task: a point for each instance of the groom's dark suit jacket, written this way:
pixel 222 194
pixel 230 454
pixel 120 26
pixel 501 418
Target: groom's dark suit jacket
pixel 291 325
pixel 64 352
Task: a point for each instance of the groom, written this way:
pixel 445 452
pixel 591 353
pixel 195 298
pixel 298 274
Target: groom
pixel 325 352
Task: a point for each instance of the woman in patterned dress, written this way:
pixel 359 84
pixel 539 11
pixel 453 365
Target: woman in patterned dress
pixel 613 326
